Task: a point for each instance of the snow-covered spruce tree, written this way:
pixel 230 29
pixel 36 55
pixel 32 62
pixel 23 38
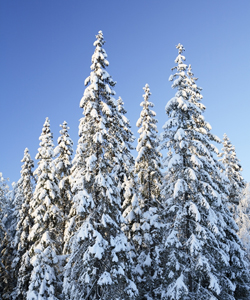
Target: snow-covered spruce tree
pixel 46 234
pixel 98 267
pixel 238 272
pixel 243 219
pixel 200 232
pixel 233 172
pixel 148 162
pixel 17 199
pixel 147 234
pixel 21 263
pixel 63 164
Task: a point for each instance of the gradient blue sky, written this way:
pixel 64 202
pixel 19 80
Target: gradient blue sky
pixel 45 56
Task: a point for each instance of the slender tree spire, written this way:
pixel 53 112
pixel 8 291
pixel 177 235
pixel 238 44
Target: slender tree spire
pixel 46 234
pixel 147 235
pixel 148 164
pixel 21 263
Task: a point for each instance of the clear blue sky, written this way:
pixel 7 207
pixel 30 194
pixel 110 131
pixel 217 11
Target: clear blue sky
pixel 45 56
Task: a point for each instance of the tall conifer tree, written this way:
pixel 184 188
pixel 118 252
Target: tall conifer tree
pixel 46 233
pixel 98 266
pixel 21 263
pixel 147 235
pixel 200 232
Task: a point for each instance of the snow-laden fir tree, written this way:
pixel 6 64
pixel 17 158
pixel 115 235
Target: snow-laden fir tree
pixel 233 172
pixel 46 234
pixel 238 272
pixel 63 164
pixel 148 161
pixel 201 247
pixel 15 255
pixel 243 219
pixel 147 233
pixel 98 267
pixel 21 262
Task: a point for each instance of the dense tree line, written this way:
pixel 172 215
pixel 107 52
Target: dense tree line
pixel 172 223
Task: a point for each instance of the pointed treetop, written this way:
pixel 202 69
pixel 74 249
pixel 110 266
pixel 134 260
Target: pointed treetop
pixel 180 48
pixel 47 121
pixel 100 41
pixel 147 92
pixel 101 83
pixel 26 151
pixel 226 137
pixel 46 139
pixel 65 127
pixel 27 158
pixel 179 60
pixel 46 126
